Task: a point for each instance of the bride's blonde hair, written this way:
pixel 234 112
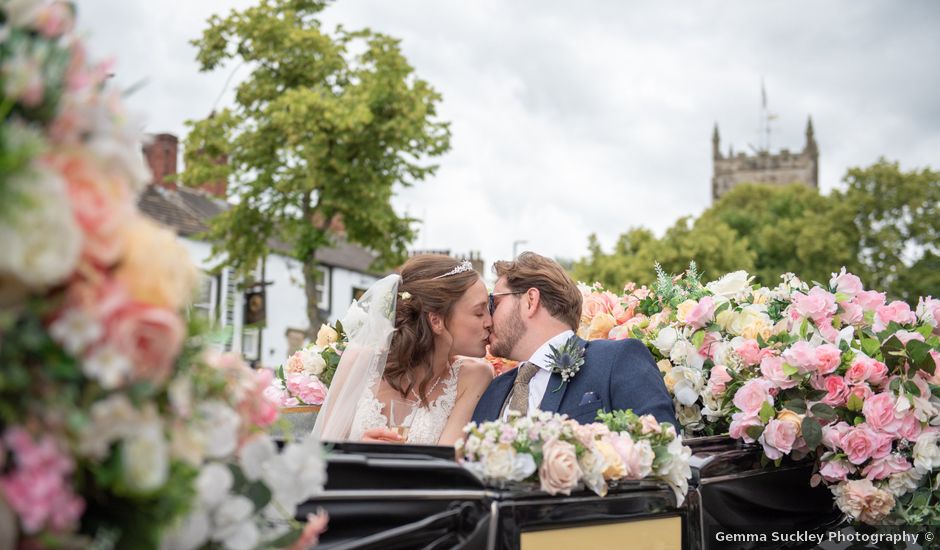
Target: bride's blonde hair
pixel 430 283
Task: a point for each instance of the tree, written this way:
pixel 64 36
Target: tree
pixel 323 130
pixel 790 229
pixel 897 216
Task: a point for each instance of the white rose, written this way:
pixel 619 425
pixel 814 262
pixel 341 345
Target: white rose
pixel 677 471
pixel 730 285
pixel 111 419
pixel 76 329
pixel 232 523
pixel 522 467
pixel 41 241
pixel 218 424
pixel 927 452
pixel 666 339
pixel 255 454
pixel 108 366
pixel 295 475
pixel 145 458
pixel 904 482
pixel 190 534
pixel 500 463
pixel 680 352
pixel 313 362
pixel 187 444
pixel 213 483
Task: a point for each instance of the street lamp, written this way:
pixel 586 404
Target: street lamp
pixel 515 244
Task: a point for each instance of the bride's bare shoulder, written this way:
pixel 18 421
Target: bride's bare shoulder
pixel 474 368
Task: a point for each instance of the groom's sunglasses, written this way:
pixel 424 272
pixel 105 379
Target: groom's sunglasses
pixel 493 301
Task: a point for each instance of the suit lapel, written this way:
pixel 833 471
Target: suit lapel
pixel 551 401
pixel 501 387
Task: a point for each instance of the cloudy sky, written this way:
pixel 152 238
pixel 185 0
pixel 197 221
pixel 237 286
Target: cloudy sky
pixel 572 118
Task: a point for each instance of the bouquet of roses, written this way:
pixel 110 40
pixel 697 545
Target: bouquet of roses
pixel 116 427
pixel 563 455
pixel 306 376
pixel 855 379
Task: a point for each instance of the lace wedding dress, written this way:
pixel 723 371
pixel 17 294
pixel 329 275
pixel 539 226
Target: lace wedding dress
pixel 428 422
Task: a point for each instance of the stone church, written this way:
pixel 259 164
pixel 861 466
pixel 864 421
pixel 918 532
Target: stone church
pixel 763 167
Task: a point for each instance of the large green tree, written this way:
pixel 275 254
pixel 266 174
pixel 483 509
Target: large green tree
pixel 323 130
pixel 897 216
pixel 883 225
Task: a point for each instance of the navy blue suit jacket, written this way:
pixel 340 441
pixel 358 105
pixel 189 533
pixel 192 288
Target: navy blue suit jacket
pixel 616 374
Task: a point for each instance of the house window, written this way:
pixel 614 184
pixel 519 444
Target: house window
pixel 323 288
pixel 358 292
pixel 250 343
pixel 295 340
pixel 204 304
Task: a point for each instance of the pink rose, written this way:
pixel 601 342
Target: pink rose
pixel 910 427
pixel 866 369
pixel 772 369
pixel 837 391
pixel 778 438
pixel 896 311
pixel 835 470
pixel 862 391
pixel 825 328
pixel 740 422
pixel 101 203
pixel 818 304
pixel 860 443
pixel 559 472
pixel 702 314
pixel 752 395
pixel 749 351
pixel 718 379
pixel 150 337
pixel 54 19
pixel 308 389
pixel 833 433
pixel 852 313
pixel 637 456
pixel 879 412
pixel 846 283
pixel 828 358
pixel 709 345
pixel 884 467
pixel 258 407
pixel 802 355
pixel 310 536
pixel 870 300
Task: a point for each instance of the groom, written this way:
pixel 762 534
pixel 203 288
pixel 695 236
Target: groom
pixel 535 304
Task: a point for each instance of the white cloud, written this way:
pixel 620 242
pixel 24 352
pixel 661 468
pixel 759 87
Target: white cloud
pixel 573 118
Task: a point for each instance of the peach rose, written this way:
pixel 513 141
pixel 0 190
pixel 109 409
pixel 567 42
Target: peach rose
pixel 150 337
pixel 615 468
pixel 599 328
pixel 863 501
pixel 718 379
pixel 156 267
pixel 559 472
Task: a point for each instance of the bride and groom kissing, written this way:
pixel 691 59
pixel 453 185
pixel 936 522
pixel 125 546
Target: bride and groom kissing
pixel 420 336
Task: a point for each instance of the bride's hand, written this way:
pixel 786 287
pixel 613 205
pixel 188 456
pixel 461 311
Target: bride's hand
pixel 380 435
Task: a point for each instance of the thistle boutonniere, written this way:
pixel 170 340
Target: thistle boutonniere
pixel 567 359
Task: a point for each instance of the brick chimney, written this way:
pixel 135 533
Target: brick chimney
pixel 161 156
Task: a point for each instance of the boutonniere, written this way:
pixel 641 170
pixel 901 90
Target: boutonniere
pixel 567 359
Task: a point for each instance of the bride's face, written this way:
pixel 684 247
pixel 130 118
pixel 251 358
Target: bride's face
pixel 470 322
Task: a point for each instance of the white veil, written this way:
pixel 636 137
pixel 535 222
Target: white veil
pixel 369 325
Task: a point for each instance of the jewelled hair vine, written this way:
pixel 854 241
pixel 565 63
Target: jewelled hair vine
pixel 461 267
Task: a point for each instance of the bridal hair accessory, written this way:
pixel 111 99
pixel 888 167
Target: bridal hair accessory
pixel 461 267
pixel 404 296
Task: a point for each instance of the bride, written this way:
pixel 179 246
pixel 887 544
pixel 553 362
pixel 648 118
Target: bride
pixel 414 336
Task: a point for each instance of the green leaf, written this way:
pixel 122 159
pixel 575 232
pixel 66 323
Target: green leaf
pixel 925 330
pixel 816 395
pixel 855 403
pixel 871 347
pixel 754 432
pixel 259 494
pixel 767 412
pixel 812 432
pixel 919 352
pixel 893 351
pixel 895 385
pixel 858 420
pixel 797 405
pixel 911 388
pixel 804 328
pixel 789 369
pixel 698 338
pixel 823 412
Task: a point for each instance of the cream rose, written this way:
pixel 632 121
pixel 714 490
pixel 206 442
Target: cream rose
pixel 326 335
pixel 730 285
pixel 560 472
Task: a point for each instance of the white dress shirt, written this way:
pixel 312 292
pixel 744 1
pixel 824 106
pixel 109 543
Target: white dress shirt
pixel 542 357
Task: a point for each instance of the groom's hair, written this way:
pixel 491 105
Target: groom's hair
pixel 558 292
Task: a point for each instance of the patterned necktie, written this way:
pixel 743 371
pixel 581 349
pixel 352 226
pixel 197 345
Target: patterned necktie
pixel 519 400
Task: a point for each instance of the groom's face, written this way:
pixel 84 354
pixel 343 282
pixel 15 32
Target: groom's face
pixel 508 325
